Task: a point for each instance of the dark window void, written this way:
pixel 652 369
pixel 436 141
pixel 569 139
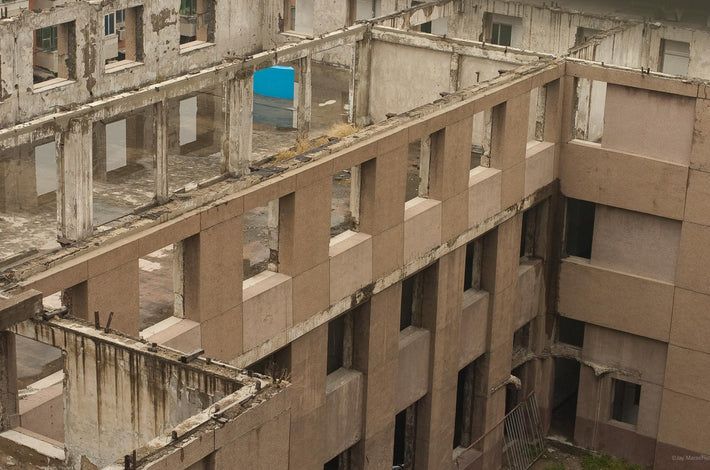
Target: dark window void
pixel 570 331
pixel 528 232
pixel 474 257
pixel 411 305
pixel 276 365
pixel 521 338
pixel 580 228
pixel 465 398
pixel 340 462
pixel 340 340
pixel 625 401
pixel 404 438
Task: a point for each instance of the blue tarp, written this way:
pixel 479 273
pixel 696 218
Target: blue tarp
pixel 276 82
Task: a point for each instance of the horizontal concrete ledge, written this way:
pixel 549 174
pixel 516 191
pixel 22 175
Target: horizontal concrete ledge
pixel 19 308
pixel 29 440
pixel 616 300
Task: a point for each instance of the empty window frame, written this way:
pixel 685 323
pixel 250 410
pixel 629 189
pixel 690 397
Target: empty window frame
pixel 579 228
pixel 260 239
pixel 344 201
pixel 298 16
pixel 521 339
pixel 123 37
pixel 340 343
pixel 418 160
pixel 589 115
pixel 584 34
pixel 464 428
pixel 197 22
pixel 123 166
pixel 536 117
pixel 570 331
pixel 341 461
pixel 626 397
pixel 160 285
pixel 405 438
pixel 54 54
pixel 674 57
pixel 481 139
pixel 528 232
pixel 474 263
pixel 502 30
pixel 28 199
pixel 412 301
pixel 276 365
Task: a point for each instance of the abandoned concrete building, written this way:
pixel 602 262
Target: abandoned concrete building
pixel 353 234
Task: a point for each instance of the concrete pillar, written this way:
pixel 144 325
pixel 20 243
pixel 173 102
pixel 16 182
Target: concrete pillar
pixel 454 73
pixel 98 143
pixel 501 257
pixel 18 190
pixel 509 135
pixel 212 286
pixel 237 139
pixel 75 207
pixel 161 131
pixel 437 410
pixel 360 85
pixel 308 411
pixel 304 98
pixel 9 405
pixel 375 354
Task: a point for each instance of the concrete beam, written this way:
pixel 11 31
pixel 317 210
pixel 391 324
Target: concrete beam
pixel 19 308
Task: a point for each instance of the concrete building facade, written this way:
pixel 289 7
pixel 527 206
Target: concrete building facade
pixel 495 224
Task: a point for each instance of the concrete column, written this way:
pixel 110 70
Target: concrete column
pixel 212 286
pixel 509 135
pixel 454 73
pixel 360 85
pixel 501 257
pixel 304 98
pixel 75 209
pixel 237 141
pixel 308 411
pixel 437 410
pixel 161 131
pixel 98 143
pixel 376 347
pixel 8 381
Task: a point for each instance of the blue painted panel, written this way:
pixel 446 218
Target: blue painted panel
pixel 276 81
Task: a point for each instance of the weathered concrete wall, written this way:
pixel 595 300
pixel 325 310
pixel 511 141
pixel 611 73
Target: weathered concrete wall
pixel 118 398
pixel 241 27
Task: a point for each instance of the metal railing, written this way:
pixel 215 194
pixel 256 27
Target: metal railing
pixel 523 443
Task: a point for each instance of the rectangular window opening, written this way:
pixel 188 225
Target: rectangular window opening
pixel 589 115
pixel 502 30
pixel 340 343
pixel 344 201
pixel 54 53
pixel 195 130
pixel 412 301
pixel 675 57
pixel 536 117
pixel 28 200
pixel 341 461
pixel 579 228
pixel 123 38
pixel 123 165
pixel 570 331
pixel 474 263
pixel 626 397
pixel 465 401
pixel 584 34
pixel 481 141
pixel 160 285
pixel 40 377
pixel 521 339
pixel 405 438
pixel 418 160
pixel 528 233
pixel 261 239
pixel 197 22
pixel 276 365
